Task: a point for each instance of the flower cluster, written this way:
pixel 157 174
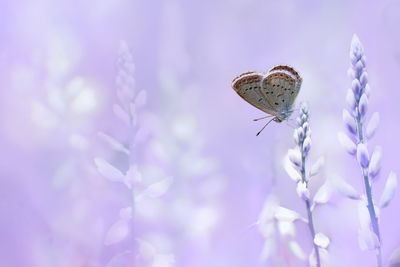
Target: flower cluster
pixel 127 109
pixel 355 142
pixel 296 168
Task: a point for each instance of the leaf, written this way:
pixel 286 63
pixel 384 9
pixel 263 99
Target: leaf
pixel 159 188
pixel 297 250
pixel 108 170
pixel 315 168
pixel 345 189
pixel 321 240
pixel 389 191
pixel 113 143
pixel 118 232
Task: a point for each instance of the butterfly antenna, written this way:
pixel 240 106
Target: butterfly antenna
pixel 264 126
pixel 269 116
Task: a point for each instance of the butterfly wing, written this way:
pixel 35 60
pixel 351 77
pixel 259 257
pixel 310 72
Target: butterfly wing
pixel 281 86
pixel 248 86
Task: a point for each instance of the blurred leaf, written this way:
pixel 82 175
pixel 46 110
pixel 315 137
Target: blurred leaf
pixel 133 176
pixel 124 259
pixel 118 232
pixel 159 188
pixel 108 171
pixel 395 258
pixel 297 250
pixel 268 249
pixel 389 191
pixel 146 250
pixel 116 145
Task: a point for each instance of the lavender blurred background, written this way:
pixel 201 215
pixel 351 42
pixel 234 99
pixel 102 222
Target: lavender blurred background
pixel 58 66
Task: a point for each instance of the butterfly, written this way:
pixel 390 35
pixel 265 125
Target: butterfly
pixel 273 92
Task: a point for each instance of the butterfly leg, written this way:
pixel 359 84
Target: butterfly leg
pixel 269 116
pixel 265 126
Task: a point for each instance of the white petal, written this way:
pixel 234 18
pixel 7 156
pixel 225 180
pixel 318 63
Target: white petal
pixel 375 163
pixel 268 249
pixel 372 125
pixel 323 194
pixel 297 250
pixel 367 239
pixel 108 170
pixel 118 232
pixel 159 188
pixel 291 170
pixel 345 189
pixel 389 191
pixel 284 214
pixel 321 240
pixel 268 211
pixel 286 228
pixel 302 191
pixel 315 168
pixel 347 143
pixel 295 156
pixel 113 143
pixel 363 214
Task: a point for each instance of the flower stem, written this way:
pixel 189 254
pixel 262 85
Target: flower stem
pixel 309 212
pixel 368 192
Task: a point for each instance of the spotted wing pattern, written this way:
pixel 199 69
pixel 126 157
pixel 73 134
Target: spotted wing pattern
pixel 281 86
pixel 248 86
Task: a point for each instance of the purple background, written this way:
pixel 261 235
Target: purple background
pixel 57 79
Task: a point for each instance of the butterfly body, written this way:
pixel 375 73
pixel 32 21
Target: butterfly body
pixel 273 92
